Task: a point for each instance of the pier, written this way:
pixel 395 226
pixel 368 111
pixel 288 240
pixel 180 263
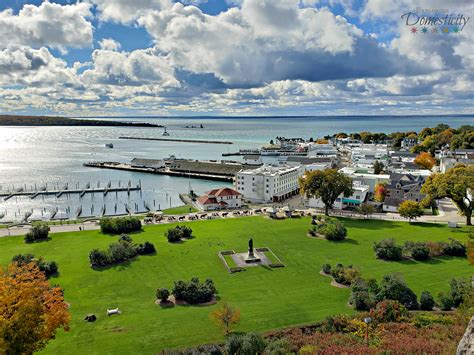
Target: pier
pixel 177 140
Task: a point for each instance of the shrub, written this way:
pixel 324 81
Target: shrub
pixel 459 290
pixel 252 343
pixel 38 232
pixel 361 297
pixel 426 301
pixel 445 301
pixel 49 268
pixel 426 320
pixel 326 268
pixel 120 225
pixel 162 294
pixel 177 233
pixel 332 229
pixel 436 248
pixel 145 248
pixel 336 323
pixel 418 250
pixel 194 291
pixel 388 311
pixel 392 287
pixel 98 258
pixel 345 275
pixel 278 347
pixel 233 344
pixel 387 249
pixel 454 248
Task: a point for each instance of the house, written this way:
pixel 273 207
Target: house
pixel 365 155
pixel 269 183
pixel 365 176
pixel 358 197
pixel 448 159
pixel 408 143
pixel 223 198
pixel 403 187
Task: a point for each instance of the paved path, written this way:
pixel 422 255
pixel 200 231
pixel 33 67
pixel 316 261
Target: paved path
pixel 447 213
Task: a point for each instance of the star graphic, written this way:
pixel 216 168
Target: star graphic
pixel 446 30
pixel 413 30
pixel 456 30
pixel 424 30
pixel 434 30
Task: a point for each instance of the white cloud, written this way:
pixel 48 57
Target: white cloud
pixel 126 11
pixel 50 24
pixel 109 44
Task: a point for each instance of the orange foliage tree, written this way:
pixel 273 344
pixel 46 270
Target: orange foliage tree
pixel 379 192
pixel 225 316
pixel 425 160
pixel 30 309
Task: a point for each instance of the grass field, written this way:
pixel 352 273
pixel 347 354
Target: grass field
pixel 267 298
pixel 180 210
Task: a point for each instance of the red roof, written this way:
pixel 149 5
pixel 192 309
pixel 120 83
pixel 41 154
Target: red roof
pixel 204 200
pixel 226 191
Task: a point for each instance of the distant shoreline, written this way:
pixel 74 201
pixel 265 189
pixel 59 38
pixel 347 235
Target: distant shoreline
pixel 51 121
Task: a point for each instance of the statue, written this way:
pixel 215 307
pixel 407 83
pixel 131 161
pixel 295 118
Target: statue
pixel 251 248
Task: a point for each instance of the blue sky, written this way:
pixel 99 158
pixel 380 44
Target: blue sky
pixel 234 57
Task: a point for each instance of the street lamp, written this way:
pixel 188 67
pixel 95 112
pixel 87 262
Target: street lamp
pixel 367 321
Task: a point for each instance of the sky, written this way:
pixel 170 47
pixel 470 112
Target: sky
pixel 236 57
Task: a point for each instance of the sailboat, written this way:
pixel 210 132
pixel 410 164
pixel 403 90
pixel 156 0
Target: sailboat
pixel 165 133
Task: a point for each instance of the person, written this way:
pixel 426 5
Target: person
pixel 80 228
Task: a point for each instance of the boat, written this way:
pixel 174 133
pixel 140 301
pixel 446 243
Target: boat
pixel 109 145
pixel 165 133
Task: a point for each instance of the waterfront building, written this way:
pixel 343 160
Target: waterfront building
pixel 223 198
pixel 403 187
pixel 147 163
pixel 269 183
pixel 365 155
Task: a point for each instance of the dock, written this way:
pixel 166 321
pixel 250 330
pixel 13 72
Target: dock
pixel 176 140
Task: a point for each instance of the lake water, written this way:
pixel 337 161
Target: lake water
pixel 55 155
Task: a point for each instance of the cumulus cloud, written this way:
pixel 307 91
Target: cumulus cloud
pixel 126 11
pixel 109 44
pixel 50 24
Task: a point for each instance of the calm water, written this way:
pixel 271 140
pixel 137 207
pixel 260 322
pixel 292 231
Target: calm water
pixel 54 155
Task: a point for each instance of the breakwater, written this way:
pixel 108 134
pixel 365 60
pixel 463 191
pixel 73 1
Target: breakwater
pixel 176 140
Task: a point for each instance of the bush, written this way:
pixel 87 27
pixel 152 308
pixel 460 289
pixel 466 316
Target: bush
pixel 345 275
pixel 332 229
pixel 38 232
pixel 98 258
pixel 121 251
pixel 120 225
pixel 252 343
pixel 361 297
pixel 194 291
pixel 162 294
pixel 335 324
pixel 454 248
pixel 145 248
pixel 389 311
pixel 426 301
pixel 418 250
pixel 49 268
pixel 392 287
pixel 278 347
pixel 459 290
pixel 233 344
pixel 177 233
pixel 388 250
pixel 445 301
pixel 326 268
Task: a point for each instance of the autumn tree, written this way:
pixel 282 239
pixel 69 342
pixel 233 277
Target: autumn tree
pixel 410 210
pixel 425 160
pixel 30 310
pixel 379 192
pixel 225 316
pixel 326 185
pixel 457 184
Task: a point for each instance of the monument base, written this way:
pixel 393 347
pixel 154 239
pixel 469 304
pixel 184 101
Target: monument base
pixel 252 259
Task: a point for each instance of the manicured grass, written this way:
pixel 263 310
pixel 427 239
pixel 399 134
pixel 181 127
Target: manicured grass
pixel 267 298
pixel 180 210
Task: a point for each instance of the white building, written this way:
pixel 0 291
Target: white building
pixel 366 155
pixel 216 199
pixel 365 177
pixel 356 199
pixel 269 183
pixel 449 159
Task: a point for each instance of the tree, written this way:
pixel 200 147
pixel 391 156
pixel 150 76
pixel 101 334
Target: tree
pixel 38 232
pixel 378 167
pixel 425 160
pixel 326 185
pixel 162 294
pixel 454 184
pixel 426 301
pixel 410 210
pixel 366 209
pixel 392 287
pixel 379 192
pixel 225 316
pixel 30 310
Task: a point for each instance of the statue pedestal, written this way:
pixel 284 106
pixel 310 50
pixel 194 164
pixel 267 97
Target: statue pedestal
pixel 252 258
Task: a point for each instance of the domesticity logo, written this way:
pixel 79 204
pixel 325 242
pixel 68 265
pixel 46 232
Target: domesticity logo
pixel 434 21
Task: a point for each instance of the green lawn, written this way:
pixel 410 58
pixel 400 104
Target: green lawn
pixel 267 298
pixel 180 210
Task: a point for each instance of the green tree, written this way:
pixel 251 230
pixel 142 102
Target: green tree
pixel 393 287
pixel 454 184
pixel 378 167
pixel 426 301
pixel 410 210
pixel 326 185
pixel 366 209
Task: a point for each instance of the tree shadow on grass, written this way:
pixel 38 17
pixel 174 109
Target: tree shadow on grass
pixel 346 241
pixel 122 266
